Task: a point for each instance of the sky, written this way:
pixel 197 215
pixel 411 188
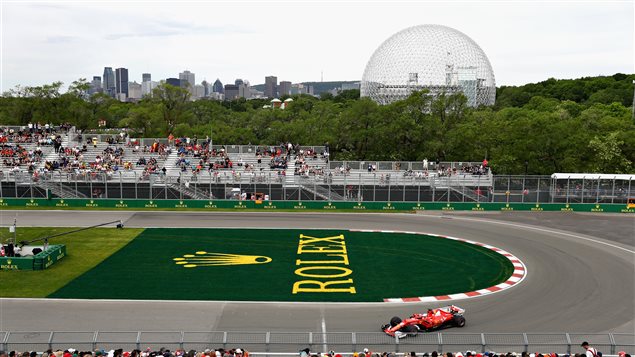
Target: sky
pixel 525 41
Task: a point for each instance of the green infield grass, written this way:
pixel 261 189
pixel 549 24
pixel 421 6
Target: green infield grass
pixel 84 251
pixel 284 265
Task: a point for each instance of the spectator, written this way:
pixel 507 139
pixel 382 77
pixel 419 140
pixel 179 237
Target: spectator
pixel 590 351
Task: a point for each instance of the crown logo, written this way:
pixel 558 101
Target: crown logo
pixel 205 259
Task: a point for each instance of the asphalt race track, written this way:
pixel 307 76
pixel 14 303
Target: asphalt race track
pixel 581 276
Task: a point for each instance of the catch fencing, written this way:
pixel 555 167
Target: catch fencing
pixel 357 187
pixel 272 343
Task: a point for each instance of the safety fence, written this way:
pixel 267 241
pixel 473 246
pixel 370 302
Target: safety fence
pixel 281 342
pixel 211 205
pixel 367 187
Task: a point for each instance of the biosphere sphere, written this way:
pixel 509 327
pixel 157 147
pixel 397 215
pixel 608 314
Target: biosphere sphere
pixel 433 57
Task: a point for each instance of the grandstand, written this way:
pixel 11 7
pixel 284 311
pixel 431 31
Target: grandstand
pixel 116 166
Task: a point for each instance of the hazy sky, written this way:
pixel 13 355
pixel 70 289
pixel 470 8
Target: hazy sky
pixel 526 41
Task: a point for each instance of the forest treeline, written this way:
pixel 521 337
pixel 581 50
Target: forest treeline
pixel 578 125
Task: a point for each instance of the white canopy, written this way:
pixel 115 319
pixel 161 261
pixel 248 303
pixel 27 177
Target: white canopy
pixel 575 176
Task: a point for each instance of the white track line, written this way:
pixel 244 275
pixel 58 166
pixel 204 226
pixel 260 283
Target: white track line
pixel 547 230
pixel 323 332
pixel 518 275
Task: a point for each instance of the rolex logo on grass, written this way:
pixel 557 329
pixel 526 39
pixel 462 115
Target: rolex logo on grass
pixel 205 259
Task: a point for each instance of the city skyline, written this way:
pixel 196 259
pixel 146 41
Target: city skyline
pixel 526 42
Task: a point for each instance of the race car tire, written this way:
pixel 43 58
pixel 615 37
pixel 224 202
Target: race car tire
pixel 410 329
pixel 459 321
pixel 395 321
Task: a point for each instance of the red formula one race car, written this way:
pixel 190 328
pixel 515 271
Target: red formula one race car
pixel 435 318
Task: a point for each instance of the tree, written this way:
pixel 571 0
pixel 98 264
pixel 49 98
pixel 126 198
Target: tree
pixel 172 103
pixel 609 157
pixel 79 88
pixel 143 119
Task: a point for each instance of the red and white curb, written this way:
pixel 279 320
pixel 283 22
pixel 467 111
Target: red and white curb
pixel 520 272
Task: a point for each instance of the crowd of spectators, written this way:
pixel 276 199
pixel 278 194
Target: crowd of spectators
pixel 112 159
pixel 303 161
pixel 22 149
pixel 33 133
pixel 162 352
pixel 238 352
pixel 464 169
pixel 16 157
pixel 194 156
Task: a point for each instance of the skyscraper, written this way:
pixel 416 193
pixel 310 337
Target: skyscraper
pixel 231 91
pixel 243 88
pixel 218 86
pixel 147 87
pixel 109 82
pixel 284 88
pixel 147 77
pixel 173 82
pixel 199 92
pixel 95 86
pixel 187 80
pixel 271 87
pixel 205 88
pixel 121 77
pixel 135 90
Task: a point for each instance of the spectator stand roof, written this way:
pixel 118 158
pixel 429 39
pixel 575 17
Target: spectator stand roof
pixel 589 176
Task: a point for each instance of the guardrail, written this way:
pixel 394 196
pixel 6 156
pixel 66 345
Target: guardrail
pixel 358 187
pixel 213 205
pixel 284 342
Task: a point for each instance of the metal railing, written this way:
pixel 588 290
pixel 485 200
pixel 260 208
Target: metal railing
pixel 358 187
pixel 272 342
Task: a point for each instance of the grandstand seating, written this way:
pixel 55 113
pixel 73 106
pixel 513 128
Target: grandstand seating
pixel 176 168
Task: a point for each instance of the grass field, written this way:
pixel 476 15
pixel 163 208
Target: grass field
pixel 380 265
pixel 85 250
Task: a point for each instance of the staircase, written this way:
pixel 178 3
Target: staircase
pixel 323 192
pixel 61 191
pixel 467 193
pixel 170 164
pixel 289 180
pixel 192 192
pixel 53 156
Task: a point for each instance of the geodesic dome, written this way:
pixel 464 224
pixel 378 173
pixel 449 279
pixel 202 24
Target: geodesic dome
pixel 433 57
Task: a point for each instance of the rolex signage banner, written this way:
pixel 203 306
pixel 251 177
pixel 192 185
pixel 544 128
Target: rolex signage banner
pixel 40 261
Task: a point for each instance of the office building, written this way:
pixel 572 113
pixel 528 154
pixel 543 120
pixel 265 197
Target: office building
pixel 243 88
pixel 284 88
pixel 109 82
pixel 134 91
pixel 231 91
pixel 95 86
pixel 271 86
pixel 147 88
pixel 121 78
pixel 147 77
pixel 188 80
pixel 300 88
pixel 173 82
pixel 218 86
pixel 198 91
pixel 205 88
